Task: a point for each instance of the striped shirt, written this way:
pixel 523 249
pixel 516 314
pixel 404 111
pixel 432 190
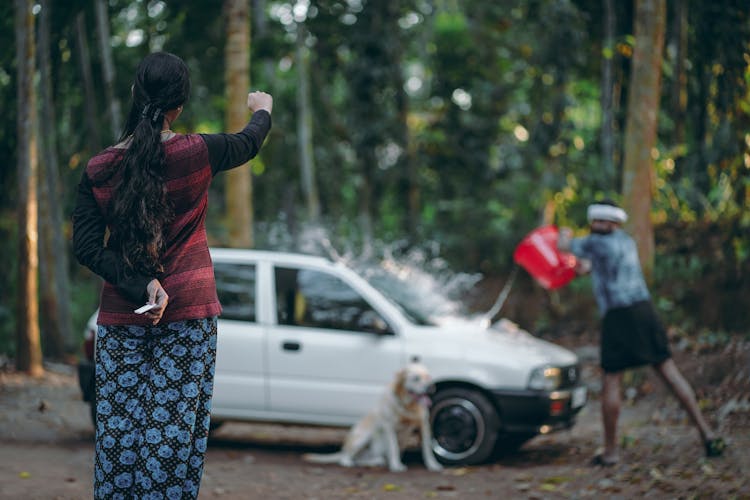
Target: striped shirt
pixel 191 162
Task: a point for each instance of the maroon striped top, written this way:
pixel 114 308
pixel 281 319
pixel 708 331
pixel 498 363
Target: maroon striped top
pixel 191 162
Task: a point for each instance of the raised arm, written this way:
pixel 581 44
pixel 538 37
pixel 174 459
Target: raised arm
pixel 227 151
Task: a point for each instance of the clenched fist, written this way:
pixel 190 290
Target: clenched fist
pixel 258 100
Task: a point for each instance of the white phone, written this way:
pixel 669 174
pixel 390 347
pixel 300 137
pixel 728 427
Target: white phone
pixel 145 308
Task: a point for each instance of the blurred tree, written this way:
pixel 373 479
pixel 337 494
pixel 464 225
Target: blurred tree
pixel 238 186
pixel 641 128
pixel 108 68
pixel 678 50
pixel 28 350
pixel 93 138
pixel 53 261
pixel 607 99
pixel 305 124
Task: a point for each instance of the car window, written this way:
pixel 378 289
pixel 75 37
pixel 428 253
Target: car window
pixel 235 285
pixel 317 299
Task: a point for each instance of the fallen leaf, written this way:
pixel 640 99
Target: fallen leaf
pixel 391 487
pixel 462 471
pixel 24 475
pixel 445 487
pixel 656 473
pixel 708 470
pixel 605 484
pixel 705 404
pixel 556 480
pixel 547 487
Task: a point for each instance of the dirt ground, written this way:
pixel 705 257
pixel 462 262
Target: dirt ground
pixel 46 447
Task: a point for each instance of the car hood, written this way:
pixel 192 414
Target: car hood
pixel 504 338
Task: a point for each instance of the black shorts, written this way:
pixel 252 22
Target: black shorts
pixel 632 336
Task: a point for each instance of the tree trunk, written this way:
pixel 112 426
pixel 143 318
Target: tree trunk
pixel 607 97
pixel 108 67
pixel 260 26
pixel 84 60
pixel 304 126
pixel 641 125
pixel 679 82
pixel 53 263
pixel 28 349
pixel 239 189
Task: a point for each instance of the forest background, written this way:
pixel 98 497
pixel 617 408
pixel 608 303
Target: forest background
pixel 436 131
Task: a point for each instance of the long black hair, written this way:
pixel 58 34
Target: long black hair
pixel 140 208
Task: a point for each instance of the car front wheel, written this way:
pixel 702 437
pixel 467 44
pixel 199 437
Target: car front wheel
pixel 464 426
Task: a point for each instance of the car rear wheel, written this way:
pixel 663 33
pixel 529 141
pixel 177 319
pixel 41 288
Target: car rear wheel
pixel 464 426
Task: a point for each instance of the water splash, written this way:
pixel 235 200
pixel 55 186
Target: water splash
pixel 415 275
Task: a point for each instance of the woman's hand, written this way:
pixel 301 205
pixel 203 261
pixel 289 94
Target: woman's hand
pixel 259 100
pixel 156 295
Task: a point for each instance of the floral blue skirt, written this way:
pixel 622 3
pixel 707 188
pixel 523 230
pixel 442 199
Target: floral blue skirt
pixel 153 394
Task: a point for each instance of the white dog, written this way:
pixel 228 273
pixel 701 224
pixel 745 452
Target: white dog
pixel 374 440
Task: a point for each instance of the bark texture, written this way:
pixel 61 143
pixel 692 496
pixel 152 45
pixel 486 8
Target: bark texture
pixel 239 187
pixel 641 125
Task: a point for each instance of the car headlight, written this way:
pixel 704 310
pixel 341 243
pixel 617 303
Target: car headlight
pixel 545 378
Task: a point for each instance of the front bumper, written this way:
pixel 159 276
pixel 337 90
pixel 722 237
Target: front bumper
pixel 529 411
pixel 86 371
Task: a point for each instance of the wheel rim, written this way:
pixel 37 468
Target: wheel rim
pixel 458 428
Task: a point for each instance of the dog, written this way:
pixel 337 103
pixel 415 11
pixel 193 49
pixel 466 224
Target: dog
pixel 378 437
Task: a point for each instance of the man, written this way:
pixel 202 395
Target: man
pixel 631 334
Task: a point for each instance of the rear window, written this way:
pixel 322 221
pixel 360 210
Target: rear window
pixel 235 285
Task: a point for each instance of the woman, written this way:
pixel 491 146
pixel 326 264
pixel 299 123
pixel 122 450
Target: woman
pixel 154 371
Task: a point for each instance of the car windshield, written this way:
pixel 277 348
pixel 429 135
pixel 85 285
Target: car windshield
pixel 421 306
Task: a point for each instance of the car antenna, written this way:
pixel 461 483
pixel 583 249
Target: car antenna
pixel 500 301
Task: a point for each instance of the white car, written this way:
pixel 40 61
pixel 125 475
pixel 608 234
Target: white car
pixel 308 341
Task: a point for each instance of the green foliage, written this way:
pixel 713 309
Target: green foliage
pixel 484 114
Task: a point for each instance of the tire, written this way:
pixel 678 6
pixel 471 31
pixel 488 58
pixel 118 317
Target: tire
pixel 464 426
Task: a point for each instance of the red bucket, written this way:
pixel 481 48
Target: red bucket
pixel 538 254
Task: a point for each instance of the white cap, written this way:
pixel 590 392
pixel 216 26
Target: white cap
pixel 599 211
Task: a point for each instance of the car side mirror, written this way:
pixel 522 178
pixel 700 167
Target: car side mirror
pixel 372 322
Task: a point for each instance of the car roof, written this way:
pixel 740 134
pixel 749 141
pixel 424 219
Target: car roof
pixel 241 254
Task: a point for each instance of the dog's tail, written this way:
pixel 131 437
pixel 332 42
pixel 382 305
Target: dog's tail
pixel 322 458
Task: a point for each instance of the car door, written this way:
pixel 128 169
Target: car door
pixel 331 354
pixel 239 382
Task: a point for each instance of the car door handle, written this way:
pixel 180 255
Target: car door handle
pixel 291 346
